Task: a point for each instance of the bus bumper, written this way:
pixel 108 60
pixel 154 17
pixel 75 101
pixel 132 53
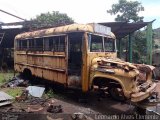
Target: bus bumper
pixel 137 97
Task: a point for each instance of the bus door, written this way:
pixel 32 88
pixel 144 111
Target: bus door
pixel 74 59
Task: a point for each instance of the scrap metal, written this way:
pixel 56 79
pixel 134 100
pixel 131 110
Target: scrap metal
pixel 5 99
pixel 54 109
pixel 12 15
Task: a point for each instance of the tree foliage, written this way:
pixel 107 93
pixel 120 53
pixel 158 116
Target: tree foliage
pixel 127 11
pixel 51 19
pixel 139 47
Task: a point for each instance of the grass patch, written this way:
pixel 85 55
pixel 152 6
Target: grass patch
pixel 14 91
pixel 4 77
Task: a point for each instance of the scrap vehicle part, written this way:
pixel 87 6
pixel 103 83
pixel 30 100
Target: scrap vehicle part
pixel 116 92
pixel 54 109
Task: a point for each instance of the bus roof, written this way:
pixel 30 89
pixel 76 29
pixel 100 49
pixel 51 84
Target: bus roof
pixel 62 30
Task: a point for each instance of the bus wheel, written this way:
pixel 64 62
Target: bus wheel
pixel 27 74
pixel 116 93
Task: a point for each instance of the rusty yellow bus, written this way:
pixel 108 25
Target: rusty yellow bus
pixel 82 56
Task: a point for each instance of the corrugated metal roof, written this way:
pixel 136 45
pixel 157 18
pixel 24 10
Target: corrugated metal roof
pixel 122 29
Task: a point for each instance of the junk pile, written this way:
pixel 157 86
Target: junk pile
pixel 14 82
pixel 32 95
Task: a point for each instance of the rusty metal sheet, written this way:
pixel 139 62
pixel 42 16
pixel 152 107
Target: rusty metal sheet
pixel 5 99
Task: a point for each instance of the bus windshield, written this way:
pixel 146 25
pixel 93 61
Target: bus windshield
pixel 101 44
pixel 109 45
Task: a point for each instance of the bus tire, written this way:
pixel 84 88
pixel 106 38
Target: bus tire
pixel 116 92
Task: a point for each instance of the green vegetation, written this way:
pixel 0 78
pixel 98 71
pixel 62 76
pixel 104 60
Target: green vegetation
pixel 52 94
pixel 51 19
pixel 156 38
pixel 14 91
pixel 127 11
pixel 4 77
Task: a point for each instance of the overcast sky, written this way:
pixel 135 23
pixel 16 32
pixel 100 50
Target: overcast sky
pixel 82 11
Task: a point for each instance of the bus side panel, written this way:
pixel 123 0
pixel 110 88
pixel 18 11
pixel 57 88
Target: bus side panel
pixel 49 66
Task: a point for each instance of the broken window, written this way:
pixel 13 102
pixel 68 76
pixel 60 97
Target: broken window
pixel 109 45
pixel 96 43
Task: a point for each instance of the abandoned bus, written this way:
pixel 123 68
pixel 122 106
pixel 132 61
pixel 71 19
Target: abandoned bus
pixel 82 56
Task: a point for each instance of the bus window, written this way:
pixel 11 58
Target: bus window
pixel 58 44
pixel 23 44
pixel 109 45
pixel 31 44
pixel 18 45
pixel 96 44
pixel 39 44
pixel 47 44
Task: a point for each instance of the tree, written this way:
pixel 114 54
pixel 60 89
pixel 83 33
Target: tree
pixel 127 11
pixel 51 19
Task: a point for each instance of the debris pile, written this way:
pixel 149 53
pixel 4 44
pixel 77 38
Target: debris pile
pixel 15 82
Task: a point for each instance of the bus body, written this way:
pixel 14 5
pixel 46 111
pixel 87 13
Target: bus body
pixel 81 56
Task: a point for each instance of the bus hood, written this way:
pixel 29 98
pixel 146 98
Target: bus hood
pixel 114 63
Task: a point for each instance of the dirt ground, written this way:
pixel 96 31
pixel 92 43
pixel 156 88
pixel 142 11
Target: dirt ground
pixel 71 103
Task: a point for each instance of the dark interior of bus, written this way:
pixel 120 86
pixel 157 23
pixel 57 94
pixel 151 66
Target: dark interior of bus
pixel 74 53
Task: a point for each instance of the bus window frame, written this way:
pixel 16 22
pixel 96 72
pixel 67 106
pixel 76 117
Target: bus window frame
pixel 103 37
